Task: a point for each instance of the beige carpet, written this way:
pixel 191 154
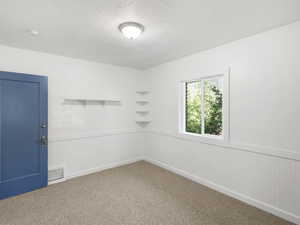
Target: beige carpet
pixel 137 194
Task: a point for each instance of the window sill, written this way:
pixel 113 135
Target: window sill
pixel 210 139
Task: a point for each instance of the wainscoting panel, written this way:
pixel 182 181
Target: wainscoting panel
pixel 267 182
pixel 83 154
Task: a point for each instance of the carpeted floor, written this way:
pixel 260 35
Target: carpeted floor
pixel 137 194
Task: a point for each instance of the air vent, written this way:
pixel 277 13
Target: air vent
pixel 56 174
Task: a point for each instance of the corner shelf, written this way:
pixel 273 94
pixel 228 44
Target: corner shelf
pixel 142 92
pixel 142 111
pixel 143 121
pixel 142 101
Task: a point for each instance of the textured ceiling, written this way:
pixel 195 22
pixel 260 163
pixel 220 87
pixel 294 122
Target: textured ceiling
pixel 88 29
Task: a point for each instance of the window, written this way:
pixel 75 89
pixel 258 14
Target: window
pixel 203 108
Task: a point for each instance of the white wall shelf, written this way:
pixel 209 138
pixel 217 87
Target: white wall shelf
pixel 142 92
pixel 143 121
pixel 142 111
pixel 87 101
pixel 142 101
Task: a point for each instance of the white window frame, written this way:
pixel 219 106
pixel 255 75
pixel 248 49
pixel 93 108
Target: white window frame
pixel 225 109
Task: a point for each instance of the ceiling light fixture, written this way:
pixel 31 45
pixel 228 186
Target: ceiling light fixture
pixel 131 30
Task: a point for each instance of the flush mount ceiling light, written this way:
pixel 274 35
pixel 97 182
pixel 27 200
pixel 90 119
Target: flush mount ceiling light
pixel 131 30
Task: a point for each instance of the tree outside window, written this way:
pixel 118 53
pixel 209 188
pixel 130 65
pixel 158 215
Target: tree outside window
pixel 204 106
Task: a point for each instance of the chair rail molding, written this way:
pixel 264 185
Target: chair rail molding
pixel 263 150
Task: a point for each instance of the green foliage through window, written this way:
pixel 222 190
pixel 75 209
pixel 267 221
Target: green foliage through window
pixel 206 118
pixel 193 107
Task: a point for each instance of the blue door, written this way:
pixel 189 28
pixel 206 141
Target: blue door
pixel 23 133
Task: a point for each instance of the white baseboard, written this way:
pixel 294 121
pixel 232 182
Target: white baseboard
pixel 56 181
pixel 104 167
pixel 256 203
pixel 97 169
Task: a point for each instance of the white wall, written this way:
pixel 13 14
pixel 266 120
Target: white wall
pixel 83 138
pixel 259 164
